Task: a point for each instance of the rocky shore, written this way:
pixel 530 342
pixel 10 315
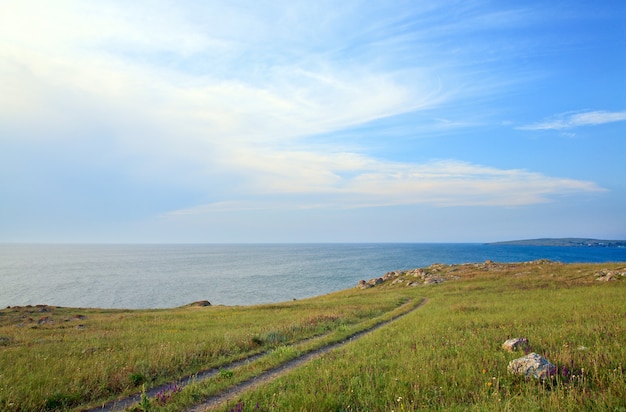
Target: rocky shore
pixel 439 273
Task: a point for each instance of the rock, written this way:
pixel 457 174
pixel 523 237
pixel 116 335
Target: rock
pixel 539 262
pixel 376 281
pixel 515 344
pixel 363 285
pixel 390 275
pixel 45 320
pixel 532 365
pixel 420 274
pixel 608 276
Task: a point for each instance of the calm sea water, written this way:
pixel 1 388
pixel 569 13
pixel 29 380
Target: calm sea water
pixel 161 276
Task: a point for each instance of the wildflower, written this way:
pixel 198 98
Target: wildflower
pixel 399 399
pixel 489 383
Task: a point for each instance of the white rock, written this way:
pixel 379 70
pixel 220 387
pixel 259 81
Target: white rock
pixel 515 344
pixel 532 365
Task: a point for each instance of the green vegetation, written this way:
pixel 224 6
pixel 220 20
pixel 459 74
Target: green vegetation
pixel 60 358
pixel 445 356
pixel 448 356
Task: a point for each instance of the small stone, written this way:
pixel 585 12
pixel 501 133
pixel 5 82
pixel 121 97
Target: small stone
pixel 532 365
pixel 515 344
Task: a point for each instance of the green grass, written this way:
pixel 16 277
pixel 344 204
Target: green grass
pixel 448 356
pixel 88 356
pixel 444 356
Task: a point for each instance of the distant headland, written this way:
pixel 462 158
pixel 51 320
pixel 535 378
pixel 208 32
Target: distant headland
pixel 574 242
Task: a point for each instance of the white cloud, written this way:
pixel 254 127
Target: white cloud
pixel 573 120
pixel 346 181
pixel 115 62
pixel 234 95
pixel 170 92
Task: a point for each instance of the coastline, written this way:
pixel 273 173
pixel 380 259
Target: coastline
pixel 564 242
pixel 169 276
pixel 421 276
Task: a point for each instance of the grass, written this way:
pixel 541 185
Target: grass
pixel 196 393
pixel 448 356
pixel 445 356
pixel 60 358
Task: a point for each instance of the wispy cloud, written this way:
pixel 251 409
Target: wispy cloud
pixel 191 82
pixel 347 181
pixel 240 100
pixel 572 120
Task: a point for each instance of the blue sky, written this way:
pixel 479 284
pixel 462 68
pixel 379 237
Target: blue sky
pixel 325 121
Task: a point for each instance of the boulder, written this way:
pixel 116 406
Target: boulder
pixel 608 276
pixel 390 275
pixel 417 273
pixel 363 285
pixel 376 281
pixel 515 344
pixel 532 365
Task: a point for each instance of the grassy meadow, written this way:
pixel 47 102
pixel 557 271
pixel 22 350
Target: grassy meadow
pixel 444 356
pixel 448 356
pixel 54 358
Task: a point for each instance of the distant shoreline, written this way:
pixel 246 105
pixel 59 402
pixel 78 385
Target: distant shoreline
pixel 568 242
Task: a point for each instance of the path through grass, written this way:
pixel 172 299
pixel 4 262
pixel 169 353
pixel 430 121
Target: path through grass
pixel 448 356
pixel 63 358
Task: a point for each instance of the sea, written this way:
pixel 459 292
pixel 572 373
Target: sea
pixel 166 276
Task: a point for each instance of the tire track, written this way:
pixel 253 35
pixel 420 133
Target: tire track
pixel 124 403
pixel 271 374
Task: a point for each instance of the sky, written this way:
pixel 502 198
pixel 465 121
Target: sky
pixel 311 121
